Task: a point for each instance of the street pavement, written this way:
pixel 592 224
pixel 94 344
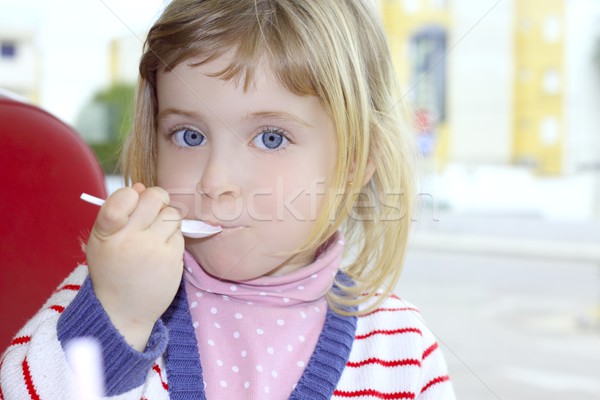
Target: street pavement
pixel 511 327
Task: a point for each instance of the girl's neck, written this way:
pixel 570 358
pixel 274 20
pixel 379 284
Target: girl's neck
pixel 305 284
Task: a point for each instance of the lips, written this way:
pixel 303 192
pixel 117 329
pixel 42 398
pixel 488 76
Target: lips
pixel 224 226
pixel 229 229
pixel 213 223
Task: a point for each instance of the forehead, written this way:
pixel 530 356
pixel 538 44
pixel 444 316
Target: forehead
pixel 197 73
pixel 196 85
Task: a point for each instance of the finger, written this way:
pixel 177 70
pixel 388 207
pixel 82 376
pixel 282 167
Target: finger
pixel 138 187
pixel 176 240
pixel 150 204
pixel 167 223
pixel 115 212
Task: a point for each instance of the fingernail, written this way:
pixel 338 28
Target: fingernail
pixel 166 197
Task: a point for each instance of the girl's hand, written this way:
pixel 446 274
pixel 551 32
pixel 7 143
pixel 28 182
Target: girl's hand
pixel 135 259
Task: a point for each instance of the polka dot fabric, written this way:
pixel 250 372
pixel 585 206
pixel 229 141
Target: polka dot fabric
pixel 256 337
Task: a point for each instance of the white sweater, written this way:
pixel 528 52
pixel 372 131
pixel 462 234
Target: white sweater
pixel 392 355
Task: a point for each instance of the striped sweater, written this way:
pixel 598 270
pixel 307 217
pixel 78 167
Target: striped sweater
pixel 386 354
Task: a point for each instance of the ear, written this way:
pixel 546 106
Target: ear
pixel 369 171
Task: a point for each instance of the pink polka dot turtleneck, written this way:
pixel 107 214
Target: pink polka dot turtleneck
pixel 255 337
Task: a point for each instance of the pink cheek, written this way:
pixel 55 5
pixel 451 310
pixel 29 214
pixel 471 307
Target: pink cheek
pixel 262 207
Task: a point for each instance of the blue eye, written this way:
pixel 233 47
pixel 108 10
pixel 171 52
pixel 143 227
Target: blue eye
pixel 270 139
pixel 188 138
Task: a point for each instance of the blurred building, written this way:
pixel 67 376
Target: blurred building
pixel 511 82
pixel 19 62
pixel 98 120
pixel 125 54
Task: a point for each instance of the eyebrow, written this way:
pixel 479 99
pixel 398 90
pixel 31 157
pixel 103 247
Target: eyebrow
pixel 174 111
pixel 279 115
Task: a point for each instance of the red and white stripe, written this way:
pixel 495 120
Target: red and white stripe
pixel 394 356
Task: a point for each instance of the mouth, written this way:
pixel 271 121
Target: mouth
pixel 212 223
pixel 225 227
pixel 229 229
pixel 232 227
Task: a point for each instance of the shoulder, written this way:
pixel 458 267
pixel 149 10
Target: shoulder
pixel 56 303
pixel 395 322
pixel 394 351
pixel 43 323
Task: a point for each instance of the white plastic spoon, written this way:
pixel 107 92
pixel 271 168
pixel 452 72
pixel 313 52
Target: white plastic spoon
pixel 189 227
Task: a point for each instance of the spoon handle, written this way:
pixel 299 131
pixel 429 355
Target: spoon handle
pixel 92 199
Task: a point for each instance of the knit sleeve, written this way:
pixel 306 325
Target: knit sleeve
pixel 124 367
pixel 35 366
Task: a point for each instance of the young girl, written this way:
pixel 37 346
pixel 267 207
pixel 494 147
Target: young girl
pixel 279 121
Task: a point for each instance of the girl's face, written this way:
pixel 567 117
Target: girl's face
pixel 257 162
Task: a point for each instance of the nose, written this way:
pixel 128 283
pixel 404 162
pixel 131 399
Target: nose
pixel 218 178
pixel 215 192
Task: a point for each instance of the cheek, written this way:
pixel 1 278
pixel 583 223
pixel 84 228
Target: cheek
pixel 176 175
pixel 291 199
pixel 166 165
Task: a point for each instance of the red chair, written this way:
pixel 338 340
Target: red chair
pixel 44 167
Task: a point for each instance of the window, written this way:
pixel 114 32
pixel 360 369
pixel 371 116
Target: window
pixel 552 29
pixel 429 72
pixel 549 131
pixel 551 82
pixel 8 49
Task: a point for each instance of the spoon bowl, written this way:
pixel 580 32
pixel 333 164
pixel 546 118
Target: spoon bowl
pixel 191 228
pixel 196 229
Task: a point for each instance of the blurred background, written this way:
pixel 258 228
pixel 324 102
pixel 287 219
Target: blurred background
pixel 505 94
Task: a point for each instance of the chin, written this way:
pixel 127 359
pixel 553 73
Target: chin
pixel 229 266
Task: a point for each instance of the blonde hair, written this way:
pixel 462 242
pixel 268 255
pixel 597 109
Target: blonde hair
pixel 335 50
